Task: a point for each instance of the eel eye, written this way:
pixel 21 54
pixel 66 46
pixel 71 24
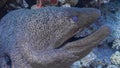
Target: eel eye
pixel 75 19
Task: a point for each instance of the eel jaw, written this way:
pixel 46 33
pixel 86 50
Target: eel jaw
pixel 85 45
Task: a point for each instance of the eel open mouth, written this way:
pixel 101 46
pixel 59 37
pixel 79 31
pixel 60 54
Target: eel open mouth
pixel 71 39
pixel 91 39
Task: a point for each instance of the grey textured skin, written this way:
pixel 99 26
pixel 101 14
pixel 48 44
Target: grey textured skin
pixel 33 38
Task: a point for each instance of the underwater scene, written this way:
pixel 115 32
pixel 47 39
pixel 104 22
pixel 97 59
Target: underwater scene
pixel 59 33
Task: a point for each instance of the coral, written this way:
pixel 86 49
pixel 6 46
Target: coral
pixel 85 62
pixel 116 44
pixel 88 59
pixel 99 57
pixel 38 38
pixel 112 66
pixel 115 58
pixel 77 64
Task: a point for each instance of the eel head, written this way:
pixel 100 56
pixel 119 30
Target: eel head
pixel 42 36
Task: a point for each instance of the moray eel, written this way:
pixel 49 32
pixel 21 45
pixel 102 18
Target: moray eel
pixel 36 38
